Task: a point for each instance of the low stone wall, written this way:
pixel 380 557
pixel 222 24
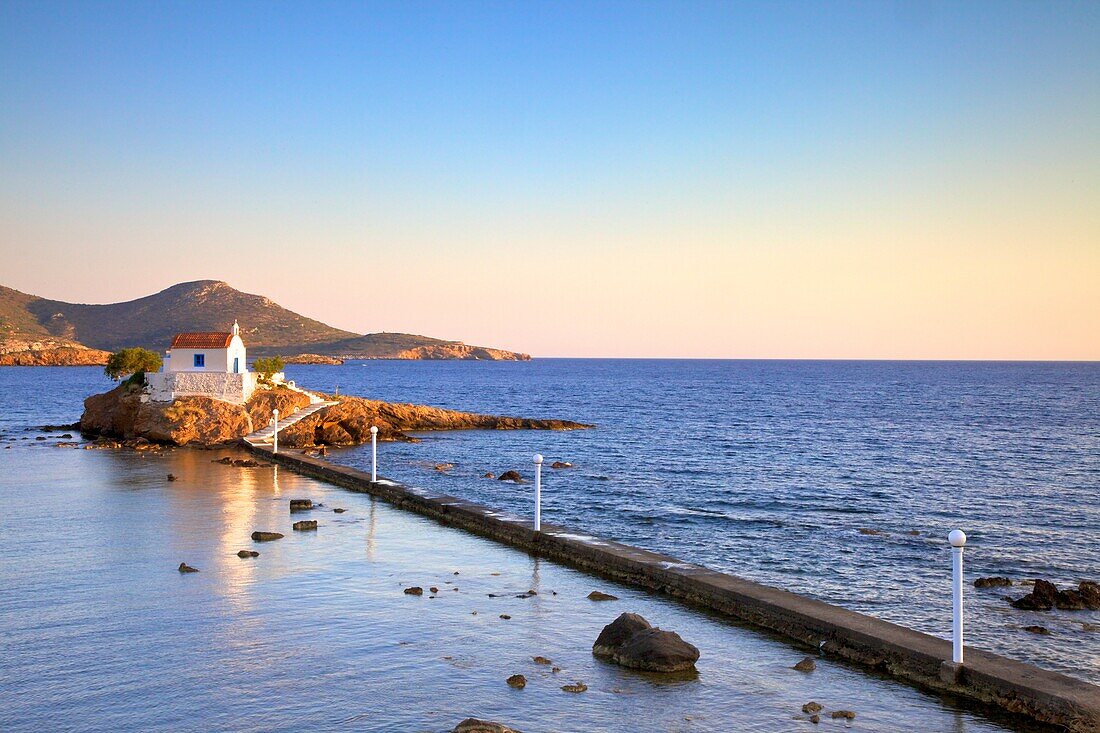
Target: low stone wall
pixel 226 386
pixel 1048 697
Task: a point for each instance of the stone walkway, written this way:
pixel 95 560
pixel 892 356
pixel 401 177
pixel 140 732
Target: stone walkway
pixel 266 434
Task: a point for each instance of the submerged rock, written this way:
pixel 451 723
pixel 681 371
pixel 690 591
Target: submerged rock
pixel 266 536
pixel 489 474
pixel 301 505
pixel 339 510
pixel 806 665
pixel 1042 630
pixel 561 464
pixel 996 581
pixel 812 707
pixel 517 681
pixel 1046 596
pixel 575 687
pixel 415 590
pixel 305 525
pixel 600 596
pixel 630 641
pixel 247 553
pixel 846 714
pixel 540 660
pixel 510 476
pixel 473 725
pixel 185 568
pixel 171 477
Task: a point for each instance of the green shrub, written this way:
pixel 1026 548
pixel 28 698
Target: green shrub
pixel 135 361
pixel 267 366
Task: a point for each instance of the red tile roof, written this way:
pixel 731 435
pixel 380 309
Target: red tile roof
pixel 202 340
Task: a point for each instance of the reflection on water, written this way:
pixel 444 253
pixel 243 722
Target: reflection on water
pixel 103 633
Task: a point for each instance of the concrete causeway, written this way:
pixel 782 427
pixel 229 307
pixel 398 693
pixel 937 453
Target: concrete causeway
pixel 922 659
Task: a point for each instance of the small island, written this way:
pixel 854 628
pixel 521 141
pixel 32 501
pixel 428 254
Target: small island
pixel 202 393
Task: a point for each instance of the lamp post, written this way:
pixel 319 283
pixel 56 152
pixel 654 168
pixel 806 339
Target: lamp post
pixel 373 453
pixel 275 431
pixel 538 492
pixel 958 542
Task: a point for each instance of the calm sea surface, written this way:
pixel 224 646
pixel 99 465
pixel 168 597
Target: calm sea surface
pixel 765 469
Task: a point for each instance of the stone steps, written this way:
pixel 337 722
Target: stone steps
pixel 266 434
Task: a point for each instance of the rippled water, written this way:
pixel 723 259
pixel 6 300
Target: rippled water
pixel 101 633
pixel 769 470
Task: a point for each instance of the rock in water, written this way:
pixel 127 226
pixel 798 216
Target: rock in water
pixel 630 641
pixel 561 464
pixel 540 660
pixel 185 568
pixel 575 687
pixel 811 707
pixel 598 596
pixel 510 476
pixel 654 650
pixel 489 475
pixel 171 477
pixel 617 633
pixel 1041 598
pixel 846 714
pixel 1046 596
pixel 473 725
pixel 247 553
pixel 300 505
pixel 305 525
pixel 806 665
pixel 266 536
pixel 416 590
pixel 992 582
pixel 339 510
pixel 517 681
pixel 1044 631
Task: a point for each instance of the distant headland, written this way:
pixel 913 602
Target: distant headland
pixel 36 331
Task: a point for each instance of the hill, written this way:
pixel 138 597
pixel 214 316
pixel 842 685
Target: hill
pixel 32 324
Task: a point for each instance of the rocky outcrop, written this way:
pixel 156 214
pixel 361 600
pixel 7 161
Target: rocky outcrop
pixel 630 641
pixel 61 356
pixel 1046 597
pixel 459 350
pixel 313 359
pixel 349 423
pixel 121 413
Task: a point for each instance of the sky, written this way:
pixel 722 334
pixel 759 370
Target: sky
pixel 915 180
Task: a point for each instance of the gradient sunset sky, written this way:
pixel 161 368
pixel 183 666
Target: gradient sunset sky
pixel 852 180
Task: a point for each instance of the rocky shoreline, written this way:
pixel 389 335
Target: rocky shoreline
pixel 59 356
pixel 124 413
